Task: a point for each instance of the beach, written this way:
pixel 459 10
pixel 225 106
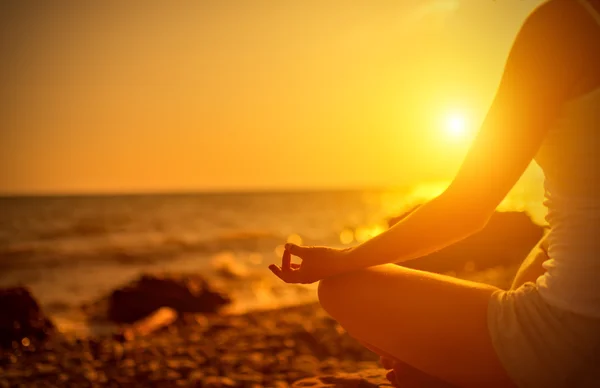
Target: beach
pixel 268 348
pixel 269 335
pixel 272 348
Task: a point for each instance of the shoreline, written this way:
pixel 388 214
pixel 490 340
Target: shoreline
pixel 74 320
pixel 267 342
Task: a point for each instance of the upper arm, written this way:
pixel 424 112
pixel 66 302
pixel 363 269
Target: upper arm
pixel 542 67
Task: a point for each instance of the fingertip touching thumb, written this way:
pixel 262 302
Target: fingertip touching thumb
pixel 293 248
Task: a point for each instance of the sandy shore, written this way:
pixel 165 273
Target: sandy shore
pixel 271 348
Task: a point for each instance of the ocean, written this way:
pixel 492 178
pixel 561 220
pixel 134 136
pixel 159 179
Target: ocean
pixel 72 250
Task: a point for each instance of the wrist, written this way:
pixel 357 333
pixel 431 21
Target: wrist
pixel 351 257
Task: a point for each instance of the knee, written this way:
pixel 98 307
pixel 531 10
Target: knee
pixel 330 292
pixel 337 292
pixel 326 292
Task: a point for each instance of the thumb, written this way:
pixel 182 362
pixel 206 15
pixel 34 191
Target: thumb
pixel 296 250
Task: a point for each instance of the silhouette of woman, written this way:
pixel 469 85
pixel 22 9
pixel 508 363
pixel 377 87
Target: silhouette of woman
pixel 545 331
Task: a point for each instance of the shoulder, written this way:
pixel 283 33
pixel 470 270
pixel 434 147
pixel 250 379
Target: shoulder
pixel 568 17
pixel 554 43
pixel 548 61
pixel 565 34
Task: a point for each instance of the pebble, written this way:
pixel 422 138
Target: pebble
pixel 128 363
pixel 117 351
pixel 172 375
pixel 370 378
pixel 181 364
pixel 16 373
pixel 306 364
pixel 218 382
pixel 153 366
pixel 91 375
pixel 195 376
pixel 63 377
pixel 44 369
pixel 248 379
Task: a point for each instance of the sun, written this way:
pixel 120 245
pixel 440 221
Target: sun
pixel 455 125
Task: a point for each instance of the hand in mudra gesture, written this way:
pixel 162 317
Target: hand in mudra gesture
pixel 317 263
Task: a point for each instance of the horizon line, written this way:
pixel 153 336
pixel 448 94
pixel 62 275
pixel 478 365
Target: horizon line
pixel 213 191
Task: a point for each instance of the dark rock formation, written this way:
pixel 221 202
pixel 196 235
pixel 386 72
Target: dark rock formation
pixel 184 293
pixel 506 240
pixel 21 319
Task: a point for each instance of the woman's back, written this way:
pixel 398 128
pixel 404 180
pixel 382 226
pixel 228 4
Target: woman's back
pixel 570 158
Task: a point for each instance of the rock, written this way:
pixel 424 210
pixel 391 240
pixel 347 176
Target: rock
pixel 160 318
pixel 21 319
pixel 184 293
pixel 364 379
pixel 505 240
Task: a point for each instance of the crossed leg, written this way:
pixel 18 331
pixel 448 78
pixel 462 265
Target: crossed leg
pixel 532 268
pixel 434 323
pixel 403 375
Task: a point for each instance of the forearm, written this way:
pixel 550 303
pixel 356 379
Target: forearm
pixel 433 226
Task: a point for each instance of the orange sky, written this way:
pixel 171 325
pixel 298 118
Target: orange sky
pixel 199 95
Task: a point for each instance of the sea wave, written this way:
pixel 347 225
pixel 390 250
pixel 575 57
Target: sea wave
pixel 80 228
pixel 128 250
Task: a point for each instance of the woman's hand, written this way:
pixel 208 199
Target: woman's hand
pixel 317 263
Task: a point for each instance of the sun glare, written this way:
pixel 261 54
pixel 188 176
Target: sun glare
pixel 456 125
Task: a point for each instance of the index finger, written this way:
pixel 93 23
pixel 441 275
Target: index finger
pixel 286 261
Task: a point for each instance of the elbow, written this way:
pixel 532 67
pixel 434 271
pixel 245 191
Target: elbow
pixel 476 218
pixel 472 221
pixel 479 222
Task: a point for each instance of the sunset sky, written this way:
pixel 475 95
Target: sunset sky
pixel 111 96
